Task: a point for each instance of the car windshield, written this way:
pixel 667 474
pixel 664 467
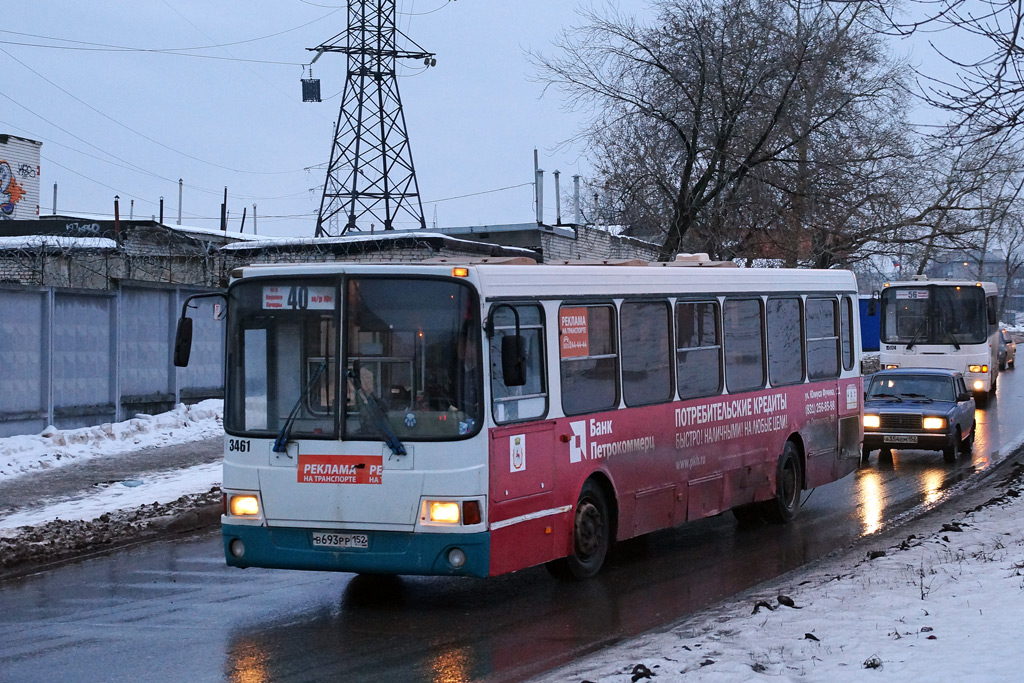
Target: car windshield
pixel 911 387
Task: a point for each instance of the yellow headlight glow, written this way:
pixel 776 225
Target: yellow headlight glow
pixel 977 368
pixel 244 506
pixel 934 423
pixel 871 421
pixel 978 385
pixel 445 512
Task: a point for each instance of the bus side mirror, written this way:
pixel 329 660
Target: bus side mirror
pixel 513 360
pixel 872 306
pixel 183 342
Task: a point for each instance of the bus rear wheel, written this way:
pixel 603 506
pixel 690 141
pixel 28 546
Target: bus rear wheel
pixel 591 537
pixel 788 484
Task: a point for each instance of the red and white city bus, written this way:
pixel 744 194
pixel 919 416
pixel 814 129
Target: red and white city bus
pixel 478 419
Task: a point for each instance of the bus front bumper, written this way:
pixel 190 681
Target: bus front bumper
pixel 388 552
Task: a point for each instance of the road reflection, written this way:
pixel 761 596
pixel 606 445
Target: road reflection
pixel 872 500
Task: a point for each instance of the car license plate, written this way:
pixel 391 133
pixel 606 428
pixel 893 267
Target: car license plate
pixel 331 540
pixel 899 438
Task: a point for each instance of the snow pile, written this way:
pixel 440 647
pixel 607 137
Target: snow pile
pixel 60 539
pixel 941 603
pixel 56 447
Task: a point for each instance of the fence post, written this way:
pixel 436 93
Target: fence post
pixel 118 412
pixel 47 360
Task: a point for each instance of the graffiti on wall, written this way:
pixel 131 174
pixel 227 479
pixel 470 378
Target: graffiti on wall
pixel 11 192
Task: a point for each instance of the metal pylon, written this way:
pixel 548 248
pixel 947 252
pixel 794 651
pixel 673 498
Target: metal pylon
pixel 370 175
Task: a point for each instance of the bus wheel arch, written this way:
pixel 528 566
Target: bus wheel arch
pixel 594 528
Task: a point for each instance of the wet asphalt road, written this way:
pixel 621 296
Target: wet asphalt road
pixel 171 611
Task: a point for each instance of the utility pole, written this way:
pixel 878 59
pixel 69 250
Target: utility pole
pixel 370 175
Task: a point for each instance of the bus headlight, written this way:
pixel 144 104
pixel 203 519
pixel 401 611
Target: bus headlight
pixel 871 421
pixel 444 512
pixel 934 423
pixel 979 385
pixel 244 506
pixel 891 366
pixel 977 368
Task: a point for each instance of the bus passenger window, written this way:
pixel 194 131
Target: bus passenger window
pixel 589 359
pixel 646 362
pixel 822 339
pixel 846 326
pixel 785 361
pixel 698 349
pixel 744 352
pixel 529 401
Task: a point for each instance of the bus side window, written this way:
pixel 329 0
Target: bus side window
pixel 822 339
pixel 589 360
pixel 785 363
pixel 846 328
pixel 744 350
pixel 529 401
pixel 645 330
pixel 698 349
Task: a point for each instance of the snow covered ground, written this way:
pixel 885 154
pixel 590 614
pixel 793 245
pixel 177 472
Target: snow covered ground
pixel 943 604
pixel 23 455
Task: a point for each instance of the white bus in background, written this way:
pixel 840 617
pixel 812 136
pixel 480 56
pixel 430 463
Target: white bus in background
pixel 942 324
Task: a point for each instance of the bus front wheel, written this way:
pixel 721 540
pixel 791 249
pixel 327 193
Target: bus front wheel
pixel 591 537
pixel 788 484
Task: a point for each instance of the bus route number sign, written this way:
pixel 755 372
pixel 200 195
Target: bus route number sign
pixel 298 298
pixel 326 539
pixel 911 293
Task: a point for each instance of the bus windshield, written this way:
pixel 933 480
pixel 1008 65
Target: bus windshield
pixel 934 314
pixel 410 350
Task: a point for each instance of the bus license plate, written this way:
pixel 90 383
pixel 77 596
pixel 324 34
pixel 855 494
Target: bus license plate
pixel 895 438
pixel 331 540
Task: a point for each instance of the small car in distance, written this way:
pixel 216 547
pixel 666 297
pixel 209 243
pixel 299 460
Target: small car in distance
pixel 1007 350
pixel 918 408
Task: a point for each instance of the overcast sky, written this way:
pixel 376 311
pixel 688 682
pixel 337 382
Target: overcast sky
pixel 132 122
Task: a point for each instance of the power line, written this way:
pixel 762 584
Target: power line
pixel 107 47
pixel 140 134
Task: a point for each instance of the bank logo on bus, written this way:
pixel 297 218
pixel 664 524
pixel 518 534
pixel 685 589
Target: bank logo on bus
pixel 578 444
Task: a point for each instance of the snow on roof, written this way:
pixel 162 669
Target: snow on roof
pixel 56 241
pixel 390 235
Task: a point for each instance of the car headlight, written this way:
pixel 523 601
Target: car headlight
pixel 934 423
pixel 871 421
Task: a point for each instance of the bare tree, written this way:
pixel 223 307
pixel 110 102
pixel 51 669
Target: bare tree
pixel 986 96
pixel 718 116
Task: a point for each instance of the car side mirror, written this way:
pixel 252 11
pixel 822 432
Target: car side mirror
pixel 183 342
pixel 513 360
pixel 966 396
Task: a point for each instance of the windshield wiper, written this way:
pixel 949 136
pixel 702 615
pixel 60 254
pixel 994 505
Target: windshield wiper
pixel 378 414
pixel 281 442
pixel 953 339
pixel 894 397
pixel 918 397
pixel 914 339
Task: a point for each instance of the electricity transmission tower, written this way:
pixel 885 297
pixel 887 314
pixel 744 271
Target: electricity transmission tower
pixel 370 174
